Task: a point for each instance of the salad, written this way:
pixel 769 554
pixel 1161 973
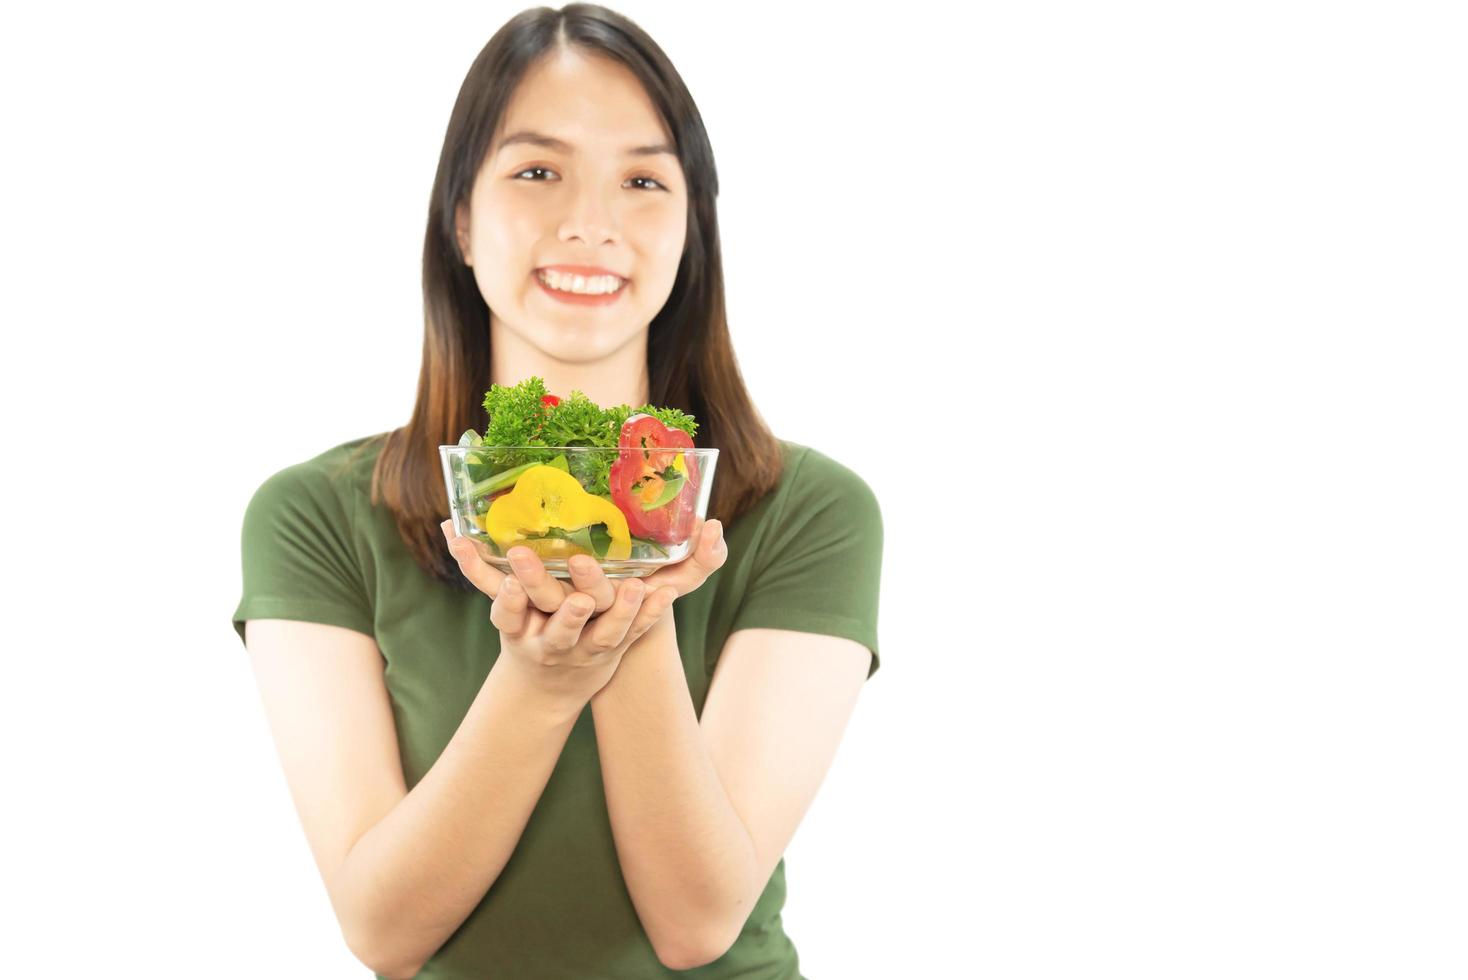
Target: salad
pixel 564 476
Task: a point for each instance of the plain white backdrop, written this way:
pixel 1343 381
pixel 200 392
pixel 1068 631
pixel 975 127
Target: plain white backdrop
pixel 1143 320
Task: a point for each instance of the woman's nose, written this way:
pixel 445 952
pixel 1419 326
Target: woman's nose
pixel 590 217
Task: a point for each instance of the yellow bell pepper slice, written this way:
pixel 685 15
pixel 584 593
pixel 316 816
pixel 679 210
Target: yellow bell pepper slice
pixel 545 497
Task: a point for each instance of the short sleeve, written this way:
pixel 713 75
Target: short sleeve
pixel 820 566
pixel 298 560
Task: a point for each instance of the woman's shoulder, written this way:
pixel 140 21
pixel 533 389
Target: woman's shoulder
pixel 816 491
pixel 334 474
pixel 350 463
pixel 811 475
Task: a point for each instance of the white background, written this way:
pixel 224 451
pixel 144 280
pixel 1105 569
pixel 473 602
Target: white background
pixel 1144 322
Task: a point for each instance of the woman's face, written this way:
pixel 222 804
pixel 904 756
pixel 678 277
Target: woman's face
pixel 587 198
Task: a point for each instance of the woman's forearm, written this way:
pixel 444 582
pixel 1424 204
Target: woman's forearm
pixel 686 856
pixel 415 876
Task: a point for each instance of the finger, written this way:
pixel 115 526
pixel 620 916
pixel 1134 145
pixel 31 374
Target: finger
pixel 655 604
pixel 612 625
pixel 673 577
pixel 510 609
pixel 712 551
pixel 587 577
pixel 485 577
pixel 546 591
pixel 709 555
pixel 564 629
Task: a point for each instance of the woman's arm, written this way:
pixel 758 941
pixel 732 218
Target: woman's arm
pixel 403 869
pixel 687 858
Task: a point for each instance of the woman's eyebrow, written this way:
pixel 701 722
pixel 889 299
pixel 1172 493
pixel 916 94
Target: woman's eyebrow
pixel 561 146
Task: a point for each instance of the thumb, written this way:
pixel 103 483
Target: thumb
pixel 510 610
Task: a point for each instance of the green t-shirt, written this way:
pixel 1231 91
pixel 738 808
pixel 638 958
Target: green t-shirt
pixel 806 557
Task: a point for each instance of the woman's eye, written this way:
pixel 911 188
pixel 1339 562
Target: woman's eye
pixel 547 170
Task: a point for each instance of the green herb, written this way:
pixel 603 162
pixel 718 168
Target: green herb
pixel 671 489
pixel 649 545
pixel 520 417
pixel 515 414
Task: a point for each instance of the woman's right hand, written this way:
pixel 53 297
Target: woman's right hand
pixel 560 653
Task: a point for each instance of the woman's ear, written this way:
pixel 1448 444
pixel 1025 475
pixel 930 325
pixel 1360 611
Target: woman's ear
pixel 461 230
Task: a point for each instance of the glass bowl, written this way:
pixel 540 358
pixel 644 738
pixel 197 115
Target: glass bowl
pixel 633 509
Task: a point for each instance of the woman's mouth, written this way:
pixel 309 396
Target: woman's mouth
pixel 581 290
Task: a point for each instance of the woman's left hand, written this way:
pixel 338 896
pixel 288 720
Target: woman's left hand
pixel 547 592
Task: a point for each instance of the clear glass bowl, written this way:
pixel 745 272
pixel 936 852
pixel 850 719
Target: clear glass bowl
pixel 632 509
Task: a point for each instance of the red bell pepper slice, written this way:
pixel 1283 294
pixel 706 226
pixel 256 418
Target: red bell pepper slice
pixel 647 450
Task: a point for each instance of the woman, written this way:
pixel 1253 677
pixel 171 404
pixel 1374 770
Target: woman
pixel 493 784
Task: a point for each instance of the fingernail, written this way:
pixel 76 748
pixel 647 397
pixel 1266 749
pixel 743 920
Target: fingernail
pixel 580 608
pixel 512 586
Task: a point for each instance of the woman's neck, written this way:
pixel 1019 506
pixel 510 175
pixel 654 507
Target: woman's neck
pixel 619 377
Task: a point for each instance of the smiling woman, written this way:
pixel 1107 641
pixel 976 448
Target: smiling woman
pixel 581 192
pixel 492 783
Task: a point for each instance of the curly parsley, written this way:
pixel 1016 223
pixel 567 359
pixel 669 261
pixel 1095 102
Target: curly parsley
pixel 522 416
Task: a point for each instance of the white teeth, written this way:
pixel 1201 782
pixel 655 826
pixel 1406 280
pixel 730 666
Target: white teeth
pixel 588 286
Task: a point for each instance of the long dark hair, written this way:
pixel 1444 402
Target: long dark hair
pixel 691 362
